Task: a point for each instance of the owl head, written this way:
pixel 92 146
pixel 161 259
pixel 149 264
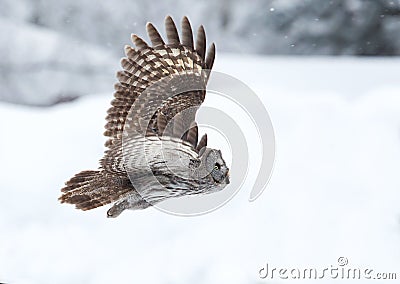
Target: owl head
pixel 213 166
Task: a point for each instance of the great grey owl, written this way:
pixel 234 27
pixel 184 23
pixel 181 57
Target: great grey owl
pixel 153 136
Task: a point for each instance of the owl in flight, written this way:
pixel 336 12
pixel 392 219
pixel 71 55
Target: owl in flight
pixel 153 148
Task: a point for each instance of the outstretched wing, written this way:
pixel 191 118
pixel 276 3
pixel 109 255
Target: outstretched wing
pixel 162 80
pixel 164 84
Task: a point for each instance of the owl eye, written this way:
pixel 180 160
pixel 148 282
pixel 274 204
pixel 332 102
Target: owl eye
pixel 217 166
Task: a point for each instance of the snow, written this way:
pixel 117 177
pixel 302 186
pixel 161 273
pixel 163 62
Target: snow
pixel 334 191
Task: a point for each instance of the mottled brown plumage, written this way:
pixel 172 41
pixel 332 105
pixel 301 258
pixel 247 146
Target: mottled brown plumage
pixel 145 92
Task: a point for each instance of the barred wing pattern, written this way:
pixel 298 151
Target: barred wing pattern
pixel 147 65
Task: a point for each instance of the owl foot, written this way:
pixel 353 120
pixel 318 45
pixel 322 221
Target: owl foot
pixel 117 209
pixel 128 203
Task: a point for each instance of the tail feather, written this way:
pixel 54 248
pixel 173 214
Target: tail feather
pixel 92 189
pixel 79 180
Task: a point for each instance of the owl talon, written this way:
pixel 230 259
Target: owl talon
pixel 112 213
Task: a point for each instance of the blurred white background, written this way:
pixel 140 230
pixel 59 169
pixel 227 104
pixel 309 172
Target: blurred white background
pixel 335 187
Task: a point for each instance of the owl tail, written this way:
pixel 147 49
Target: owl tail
pixel 92 189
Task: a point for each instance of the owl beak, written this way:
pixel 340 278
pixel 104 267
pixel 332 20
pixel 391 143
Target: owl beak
pixel 227 178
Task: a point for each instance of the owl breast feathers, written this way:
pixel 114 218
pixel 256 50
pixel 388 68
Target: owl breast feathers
pixel 153 151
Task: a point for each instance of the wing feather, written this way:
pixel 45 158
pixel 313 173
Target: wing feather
pixel 192 135
pixel 202 143
pixel 141 154
pixel 154 35
pixel 172 32
pixel 201 42
pixel 210 57
pixel 139 42
pixel 187 34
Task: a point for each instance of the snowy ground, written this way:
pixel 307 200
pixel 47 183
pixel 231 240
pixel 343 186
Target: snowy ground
pixel 334 191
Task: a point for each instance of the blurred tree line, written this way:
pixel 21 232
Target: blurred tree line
pixel 58 48
pixel 352 27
